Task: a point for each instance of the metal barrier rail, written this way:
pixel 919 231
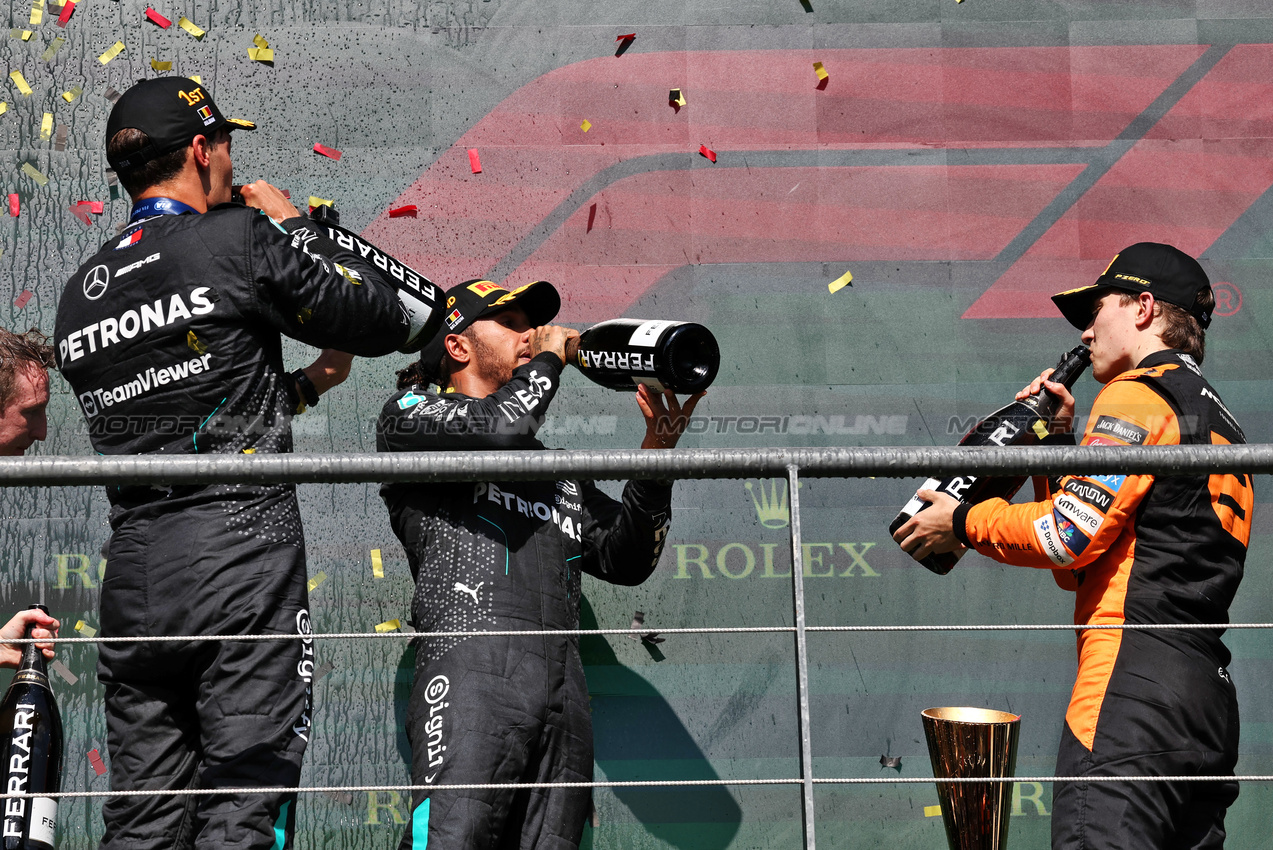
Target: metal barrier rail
pixel 650 783
pixel 693 630
pixel 673 463
pixel 163 472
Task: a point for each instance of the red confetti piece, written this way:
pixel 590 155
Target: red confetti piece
pixel 328 152
pixel 157 18
pixel 13 205
pixel 475 162
pixel 80 213
pixel 95 207
pixel 627 37
pixel 95 759
pixel 401 212
pixel 704 150
pixel 67 9
pixel 23 299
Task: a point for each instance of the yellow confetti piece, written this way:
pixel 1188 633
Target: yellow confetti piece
pixel 389 626
pixel 85 629
pixel 249 451
pixel 932 811
pixel 349 274
pixel 160 66
pixel 260 54
pixel 377 565
pixel 821 71
pixel 46 127
pixel 54 46
pixel 115 49
pixel 317 202
pixel 21 82
pixel 840 282
pixel 259 41
pixel 4 107
pixel 34 173
pixel 677 96
pixel 586 125
pixel 196 78
pixel 1040 429
pixel 26 35
pixel 195 345
pixel 74 92
pixel 37 12
pixel 316 581
pixel 189 26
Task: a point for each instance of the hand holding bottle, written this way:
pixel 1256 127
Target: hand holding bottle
pixel 46 627
pixel 553 338
pixel 664 422
pixel 930 532
pixel 1062 421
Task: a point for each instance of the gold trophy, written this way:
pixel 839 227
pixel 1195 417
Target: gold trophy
pixel 973 742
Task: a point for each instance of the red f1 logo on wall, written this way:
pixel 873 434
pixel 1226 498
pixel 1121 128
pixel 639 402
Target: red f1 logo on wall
pixel 1034 164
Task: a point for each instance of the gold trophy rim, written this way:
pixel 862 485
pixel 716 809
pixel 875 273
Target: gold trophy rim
pixel 969 715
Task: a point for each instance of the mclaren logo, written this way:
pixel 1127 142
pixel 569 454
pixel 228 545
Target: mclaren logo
pixel 95 282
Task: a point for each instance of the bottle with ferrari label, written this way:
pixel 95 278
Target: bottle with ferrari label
pixel 1021 423
pixel 32 755
pixel 623 353
pixel 419 298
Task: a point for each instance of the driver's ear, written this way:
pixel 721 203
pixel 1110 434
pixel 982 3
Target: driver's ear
pixel 458 348
pixel 201 149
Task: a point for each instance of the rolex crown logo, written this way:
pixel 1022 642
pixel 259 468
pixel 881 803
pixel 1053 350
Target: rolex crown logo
pixel 770 499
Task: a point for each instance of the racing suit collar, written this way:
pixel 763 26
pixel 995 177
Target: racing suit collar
pixel 151 207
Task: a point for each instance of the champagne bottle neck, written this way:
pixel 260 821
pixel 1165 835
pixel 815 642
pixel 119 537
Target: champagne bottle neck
pixel 1066 373
pixel 33 667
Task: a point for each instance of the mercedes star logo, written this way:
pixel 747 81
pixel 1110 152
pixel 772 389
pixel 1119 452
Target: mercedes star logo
pixel 95 282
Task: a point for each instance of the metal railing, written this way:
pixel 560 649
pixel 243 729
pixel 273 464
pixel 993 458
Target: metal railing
pixel 790 463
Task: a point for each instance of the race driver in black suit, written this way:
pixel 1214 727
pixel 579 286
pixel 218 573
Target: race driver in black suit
pixel 500 556
pixel 170 339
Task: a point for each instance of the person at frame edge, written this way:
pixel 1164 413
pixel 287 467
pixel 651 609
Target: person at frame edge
pixel 170 339
pixel 24 400
pixel 1136 549
pixel 507 556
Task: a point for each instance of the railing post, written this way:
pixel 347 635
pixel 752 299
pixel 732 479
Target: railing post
pixel 802 657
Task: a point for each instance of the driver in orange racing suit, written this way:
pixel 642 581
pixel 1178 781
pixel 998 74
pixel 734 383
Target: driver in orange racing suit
pixel 1136 549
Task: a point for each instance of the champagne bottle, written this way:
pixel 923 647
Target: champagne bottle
pixel 623 353
pixel 1021 423
pixel 33 755
pixel 420 299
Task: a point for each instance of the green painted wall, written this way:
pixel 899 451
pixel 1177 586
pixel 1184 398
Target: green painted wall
pixel 963 161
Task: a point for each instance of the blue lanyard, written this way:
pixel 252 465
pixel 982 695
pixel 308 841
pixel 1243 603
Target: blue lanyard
pixel 151 207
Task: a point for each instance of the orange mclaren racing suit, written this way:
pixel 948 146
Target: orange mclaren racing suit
pixel 1141 549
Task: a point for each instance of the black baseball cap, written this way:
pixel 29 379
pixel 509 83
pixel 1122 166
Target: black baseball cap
pixel 171 111
pixel 1164 271
pixel 477 299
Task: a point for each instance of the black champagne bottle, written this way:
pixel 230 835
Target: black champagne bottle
pixel 623 353
pixel 33 755
pixel 419 297
pixel 1021 423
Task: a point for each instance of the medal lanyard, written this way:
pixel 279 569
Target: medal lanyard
pixel 151 207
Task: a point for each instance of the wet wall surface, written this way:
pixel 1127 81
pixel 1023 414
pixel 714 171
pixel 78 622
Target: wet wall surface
pixel 962 160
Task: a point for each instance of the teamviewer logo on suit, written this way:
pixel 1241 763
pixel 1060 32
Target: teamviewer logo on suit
pixel 89 405
pixel 95 282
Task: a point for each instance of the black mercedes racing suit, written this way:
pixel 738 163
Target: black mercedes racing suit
pixel 505 556
pixel 169 337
